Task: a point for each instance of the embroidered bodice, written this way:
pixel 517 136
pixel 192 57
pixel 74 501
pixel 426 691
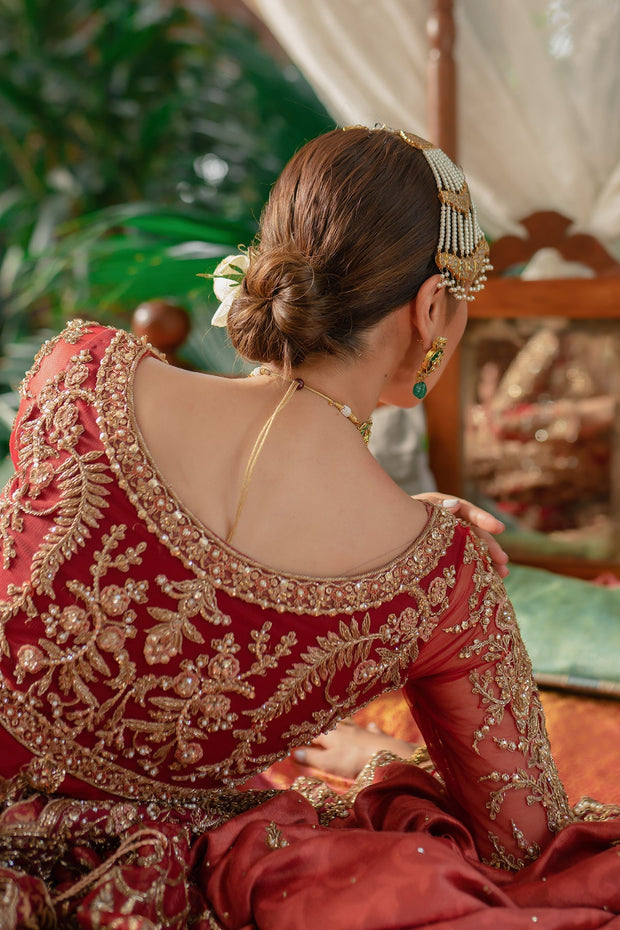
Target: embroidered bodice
pixel 143 657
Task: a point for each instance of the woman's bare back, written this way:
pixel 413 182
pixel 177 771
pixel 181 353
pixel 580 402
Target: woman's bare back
pixel 317 504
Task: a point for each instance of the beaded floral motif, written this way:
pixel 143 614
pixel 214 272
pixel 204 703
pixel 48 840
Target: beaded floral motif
pixel 380 656
pixel 274 838
pixel 85 647
pixel 140 684
pixel 507 687
pixel 54 481
pixel 84 701
pixel 71 334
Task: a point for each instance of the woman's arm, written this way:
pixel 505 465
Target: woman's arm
pixel 473 696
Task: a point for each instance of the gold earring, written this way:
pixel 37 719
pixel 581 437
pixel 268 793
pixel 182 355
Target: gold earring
pixel 432 361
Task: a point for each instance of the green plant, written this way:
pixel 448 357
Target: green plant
pixel 114 102
pixel 106 263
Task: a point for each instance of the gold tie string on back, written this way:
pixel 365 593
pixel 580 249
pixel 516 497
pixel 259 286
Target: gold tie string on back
pixel 296 385
pixel 364 428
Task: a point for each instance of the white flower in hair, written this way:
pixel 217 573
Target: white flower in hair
pixel 227 279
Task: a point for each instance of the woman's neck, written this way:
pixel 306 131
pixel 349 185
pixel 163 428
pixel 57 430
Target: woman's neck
pixel 357 382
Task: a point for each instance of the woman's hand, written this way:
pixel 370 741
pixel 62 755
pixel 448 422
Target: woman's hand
pixel 484 524
pixel 346 749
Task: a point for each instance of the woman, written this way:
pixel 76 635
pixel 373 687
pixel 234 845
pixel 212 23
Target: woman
pixel 201 574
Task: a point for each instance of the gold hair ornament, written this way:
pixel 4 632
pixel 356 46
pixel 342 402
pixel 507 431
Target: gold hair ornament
pixel 432 361
pixel 462 255
pixel 462 251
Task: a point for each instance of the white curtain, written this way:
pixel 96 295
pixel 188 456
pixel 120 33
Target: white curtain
pixel 538 93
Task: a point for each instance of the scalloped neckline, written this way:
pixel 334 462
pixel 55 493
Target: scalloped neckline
pixel 164 510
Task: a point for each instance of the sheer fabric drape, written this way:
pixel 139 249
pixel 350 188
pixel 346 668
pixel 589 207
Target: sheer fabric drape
pixel 538 93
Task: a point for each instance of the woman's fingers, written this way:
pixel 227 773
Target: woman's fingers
pixel 465 510
pixel 345 750
pixel 478 517
pixel 483 523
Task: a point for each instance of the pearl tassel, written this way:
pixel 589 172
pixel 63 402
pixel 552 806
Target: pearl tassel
pixel 462 250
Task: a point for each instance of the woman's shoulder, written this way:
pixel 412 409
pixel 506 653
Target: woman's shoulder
pixel 82 341
pixel 68 370
pixel 55 351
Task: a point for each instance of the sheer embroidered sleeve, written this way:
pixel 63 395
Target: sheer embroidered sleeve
pixel 59 485
pixel 475 700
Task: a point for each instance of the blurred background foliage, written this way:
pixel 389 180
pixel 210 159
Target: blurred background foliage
pixel 138 142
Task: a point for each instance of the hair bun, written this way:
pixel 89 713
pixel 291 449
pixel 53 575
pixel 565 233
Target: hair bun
pixel 349 233
pixel 284 309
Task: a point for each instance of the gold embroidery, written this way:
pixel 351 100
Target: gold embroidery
pixel 507 687
pixel 589 810
pixel 71 334
pixel 274 838
pixel 83 639
pixel 352 646
pixel 43 774
pixel 85 644
pixel 208 556
pixel 48 460
pixel 194 598
pixel 502 859
pixel 201 707
pixel 202 704
pixel 331 804
pixel 39 837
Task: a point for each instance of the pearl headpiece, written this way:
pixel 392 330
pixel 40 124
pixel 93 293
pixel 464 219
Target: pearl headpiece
pixel 462 251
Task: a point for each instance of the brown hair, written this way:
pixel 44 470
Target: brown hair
pixel 349 234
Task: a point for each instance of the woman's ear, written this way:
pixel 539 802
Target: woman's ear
pixel 429 309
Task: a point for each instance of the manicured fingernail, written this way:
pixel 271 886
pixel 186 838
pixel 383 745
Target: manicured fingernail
pixel 449 502
pixel 299 755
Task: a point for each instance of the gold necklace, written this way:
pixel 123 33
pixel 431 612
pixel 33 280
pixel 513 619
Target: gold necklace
pixel 362 428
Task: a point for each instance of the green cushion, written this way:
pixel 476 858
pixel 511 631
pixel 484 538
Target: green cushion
pixel 570 627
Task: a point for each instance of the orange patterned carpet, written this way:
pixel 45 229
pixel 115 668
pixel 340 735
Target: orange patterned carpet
pixel 584 733
pixel 585 739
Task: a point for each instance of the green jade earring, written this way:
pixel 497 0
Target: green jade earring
pixel 432 361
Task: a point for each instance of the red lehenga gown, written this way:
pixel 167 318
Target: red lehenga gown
pixel 149 671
